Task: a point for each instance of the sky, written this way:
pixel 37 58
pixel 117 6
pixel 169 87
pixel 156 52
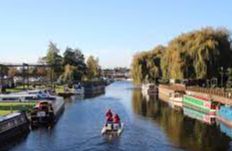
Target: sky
pixel 112 30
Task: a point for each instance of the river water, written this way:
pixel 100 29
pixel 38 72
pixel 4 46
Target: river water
pixel 149 125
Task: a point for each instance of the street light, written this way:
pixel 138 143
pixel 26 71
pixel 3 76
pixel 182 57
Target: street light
pixel 25 65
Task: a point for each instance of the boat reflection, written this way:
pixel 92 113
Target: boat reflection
pixel 183 131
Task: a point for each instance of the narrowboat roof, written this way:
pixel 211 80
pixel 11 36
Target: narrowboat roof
pixel 198 97
pixel 2 118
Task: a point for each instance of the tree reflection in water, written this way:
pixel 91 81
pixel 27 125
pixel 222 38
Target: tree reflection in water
pixel 183 131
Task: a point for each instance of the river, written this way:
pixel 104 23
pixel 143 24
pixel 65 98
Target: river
pixel 149 125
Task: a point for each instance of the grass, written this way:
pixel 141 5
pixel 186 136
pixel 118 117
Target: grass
pixel 4 112
pixel 59 89
pixel 22 88
pixel 13 90
pixel 7 107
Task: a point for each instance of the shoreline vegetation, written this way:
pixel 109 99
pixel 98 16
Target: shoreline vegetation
pixel 10 107
pixel 200 54
pixel 59 71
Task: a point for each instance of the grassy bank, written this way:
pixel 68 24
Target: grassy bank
pixel 8 107
pixel 59 89
pixel 4 112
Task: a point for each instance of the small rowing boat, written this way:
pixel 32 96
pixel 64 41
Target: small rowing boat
pixel 114 129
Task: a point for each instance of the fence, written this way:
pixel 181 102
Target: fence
pixel 212 91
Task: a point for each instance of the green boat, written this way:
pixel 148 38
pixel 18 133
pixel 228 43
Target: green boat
pixel 200 104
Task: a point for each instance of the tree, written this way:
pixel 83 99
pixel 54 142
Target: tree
pixel 75 58
pixel 193 55
pixel 197 54
pixel 229 80
pixel 12 72
pixel 54 59
pixel 146 65
pixel 3 70
pixel 41 71
pixel 93 68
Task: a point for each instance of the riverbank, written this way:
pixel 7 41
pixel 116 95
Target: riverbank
pixel 29 102
pixel 162 127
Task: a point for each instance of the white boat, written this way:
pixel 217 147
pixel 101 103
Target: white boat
pixel 176 97
pixel 116 130
pixel 24 96
pixel 149 89
pixel 78 89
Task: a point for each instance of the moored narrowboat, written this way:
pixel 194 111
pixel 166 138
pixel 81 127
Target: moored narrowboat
pixel 92 89
pixel 78 89
pixel 149 89
pixel 12 125
pixel 224 115
pixel 175 99
pixel 201 104
pixel 47 111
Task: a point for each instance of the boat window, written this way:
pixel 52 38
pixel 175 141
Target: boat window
pixel 30 98
pixel 10 99
pixel 51 98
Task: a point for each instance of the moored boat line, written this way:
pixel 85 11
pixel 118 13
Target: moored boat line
pixel 149 89
pixel 12 125
pixel 46 112
pixel 85 89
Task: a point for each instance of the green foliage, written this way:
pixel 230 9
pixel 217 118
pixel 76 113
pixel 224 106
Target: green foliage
pixel 70 74
pixel 93 68
pixel 69 68
pixel 229 80
pixel 146 65
pixel 3 70
pixel 195 55
pixel 75 58
pixel 54 59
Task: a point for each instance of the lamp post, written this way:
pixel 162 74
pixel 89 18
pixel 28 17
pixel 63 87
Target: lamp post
pixel 24 74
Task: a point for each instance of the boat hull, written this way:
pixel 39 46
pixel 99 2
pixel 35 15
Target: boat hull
pixel 198 104
pixel 16 130
pixel 108 131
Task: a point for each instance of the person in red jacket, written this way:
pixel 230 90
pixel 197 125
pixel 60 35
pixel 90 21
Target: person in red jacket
pixel 109 118
pixel 116 121
pixel 109 113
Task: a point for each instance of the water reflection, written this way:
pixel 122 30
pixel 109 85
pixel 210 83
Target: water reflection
pixel 205 118
pixel 183 131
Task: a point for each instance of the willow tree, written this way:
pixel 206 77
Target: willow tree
pixel 146 65
pixel 198 54
pixel 93 68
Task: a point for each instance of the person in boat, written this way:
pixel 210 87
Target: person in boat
pixel 109 113
pixel 116 121
pixel 109 117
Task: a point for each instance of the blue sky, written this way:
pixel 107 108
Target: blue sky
pixel 112 30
